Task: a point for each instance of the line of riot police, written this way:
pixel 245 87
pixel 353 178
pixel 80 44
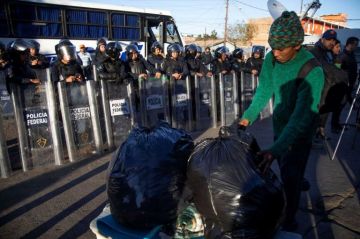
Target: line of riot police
pixel 95 109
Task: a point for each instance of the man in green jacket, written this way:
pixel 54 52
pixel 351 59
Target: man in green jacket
pixel 295 107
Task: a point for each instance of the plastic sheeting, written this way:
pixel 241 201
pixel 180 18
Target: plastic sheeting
pixel 147 176
pixel 236 200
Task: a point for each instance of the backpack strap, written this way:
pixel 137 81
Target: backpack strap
pixel 305 70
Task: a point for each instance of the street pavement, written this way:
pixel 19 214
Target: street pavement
pixel 60 201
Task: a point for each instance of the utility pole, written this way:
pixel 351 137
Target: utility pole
pixel 205 38
pixel 301 6
pixel 226 19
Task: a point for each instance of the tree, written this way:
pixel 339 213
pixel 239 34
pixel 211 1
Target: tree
pixel 213 35
pixel 242 32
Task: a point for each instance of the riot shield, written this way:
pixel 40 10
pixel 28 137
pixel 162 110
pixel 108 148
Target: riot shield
pixel 268 110
pixel 229 106
pixel 5 101
pixel 154 101
pixel 8 130
pixel 118 107
pixel 205 102
pixel 34 111
pixel 77 119
pixel 181 111
pixel 247 90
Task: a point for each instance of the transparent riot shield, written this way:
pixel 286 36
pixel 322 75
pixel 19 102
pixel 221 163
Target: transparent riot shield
pixel 205 102
pixel 154 101
pixel 5 101
pixel 247 90
pixel 36 119
pixel 248 85
pixel 118 108
pixel 6 121
pixel 80 119
pixel 229 106
pixel 181 111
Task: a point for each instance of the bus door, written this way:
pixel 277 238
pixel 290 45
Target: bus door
pixel 181 111
pixel 36 120
pixel 80 119
pixel 154 101
pixel 229 106
pixel 205 102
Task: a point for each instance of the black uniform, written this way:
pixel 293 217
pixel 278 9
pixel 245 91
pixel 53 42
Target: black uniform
pixel 111 70
pixel 42 61
pixel 254 64
pixel 172 66
pixel 155 61
pixel 61 71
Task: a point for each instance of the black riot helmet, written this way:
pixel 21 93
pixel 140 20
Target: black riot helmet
pixel 175 47
pixel 155 45
pixel 36 45
pixel 113 49
pixel 131 49
pixel 19 47
pixel 220 50
pixel 66 49
pixel 259 50
pixel 191 50
pixel 238 53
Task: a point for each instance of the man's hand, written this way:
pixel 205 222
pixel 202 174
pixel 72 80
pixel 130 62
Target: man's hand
pixel 254 72
pixel 144 76
pixel 35 81
pixel 243 124
pixel 266 158
pixel 157 75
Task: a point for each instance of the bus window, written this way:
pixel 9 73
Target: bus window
pixel 34 21
pixel 172 35
pixel 125 27
pixel 4 30
pixel 86 24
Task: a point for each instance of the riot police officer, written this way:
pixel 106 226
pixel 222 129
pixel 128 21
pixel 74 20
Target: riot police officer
pixel 111 67
pixel 254 63
pixel 174 65
pixel 194 64
pixel 221 63
pixel 37 60
pixel 156 59
pixel 237 61
pixel 100 52
pixel 6 70
pixel 135 65
pixel 67 68
pixel 19 53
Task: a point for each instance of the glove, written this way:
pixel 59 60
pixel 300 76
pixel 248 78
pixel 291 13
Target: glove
pixel 264 159
pixel 243 124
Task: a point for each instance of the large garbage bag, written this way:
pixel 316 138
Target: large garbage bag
pixel 147 176
pixel 236 200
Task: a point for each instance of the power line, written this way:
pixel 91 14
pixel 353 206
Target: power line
pixel 265 10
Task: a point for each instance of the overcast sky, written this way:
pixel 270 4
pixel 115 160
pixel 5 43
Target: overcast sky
pixel 196 16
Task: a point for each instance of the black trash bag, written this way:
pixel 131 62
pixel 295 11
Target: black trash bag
pixel 147 175
pixel 236 200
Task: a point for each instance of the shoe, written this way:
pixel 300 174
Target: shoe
pixel 305 185
pixel 289 226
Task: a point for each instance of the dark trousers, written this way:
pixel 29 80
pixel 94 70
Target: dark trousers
pixel 292 169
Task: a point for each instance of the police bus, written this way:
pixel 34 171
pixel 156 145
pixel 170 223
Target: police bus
pixel 48 21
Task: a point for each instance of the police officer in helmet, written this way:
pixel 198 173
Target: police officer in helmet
pixel 156 59
pixel 67 68
pixel 112 68
pixel 174 65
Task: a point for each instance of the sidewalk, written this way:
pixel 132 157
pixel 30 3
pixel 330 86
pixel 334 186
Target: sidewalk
pixel 60 202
